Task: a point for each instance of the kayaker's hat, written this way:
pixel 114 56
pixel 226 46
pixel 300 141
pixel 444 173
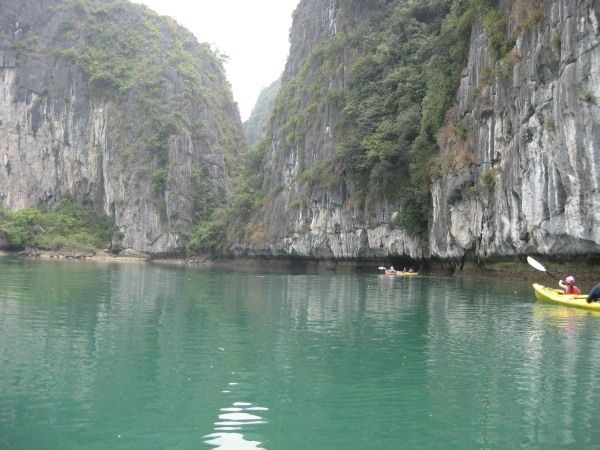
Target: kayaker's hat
pixel 570 279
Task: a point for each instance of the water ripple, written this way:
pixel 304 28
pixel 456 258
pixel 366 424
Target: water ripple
pixel 231 425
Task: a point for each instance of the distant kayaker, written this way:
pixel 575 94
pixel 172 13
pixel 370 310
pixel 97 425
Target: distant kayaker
pixel 594 294
pixel 569 285
pixel 391 270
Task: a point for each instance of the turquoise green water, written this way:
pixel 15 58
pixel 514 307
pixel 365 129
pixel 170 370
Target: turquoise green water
pixel 142 357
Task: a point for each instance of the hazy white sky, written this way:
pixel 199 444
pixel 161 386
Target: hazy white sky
pixel 253 33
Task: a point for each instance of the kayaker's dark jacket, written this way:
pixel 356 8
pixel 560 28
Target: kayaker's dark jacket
pixel 594 294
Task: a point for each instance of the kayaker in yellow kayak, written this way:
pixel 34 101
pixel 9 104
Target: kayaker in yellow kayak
pixel 568 286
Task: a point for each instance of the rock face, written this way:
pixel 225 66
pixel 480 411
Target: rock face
pixel 522 176
pixel 117 107
pixel 316 217
pixel 254 127
pixel 123 110
pixel 530 183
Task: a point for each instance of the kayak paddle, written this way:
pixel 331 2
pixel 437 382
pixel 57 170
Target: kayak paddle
pixel 538 266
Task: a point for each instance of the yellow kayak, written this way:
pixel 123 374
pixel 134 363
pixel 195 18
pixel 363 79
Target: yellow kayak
pixel 550 295
pixel 407 274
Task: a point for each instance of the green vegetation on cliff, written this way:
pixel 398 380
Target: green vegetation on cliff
pixel 121 46
pixel 69 226
pixel 401 88
pixel 214 235
pixel 127 52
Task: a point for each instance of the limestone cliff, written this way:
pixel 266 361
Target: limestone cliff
pixel 526 176
pixel 254 127
pixel 517 167
pixel 119 108
pixel 313 204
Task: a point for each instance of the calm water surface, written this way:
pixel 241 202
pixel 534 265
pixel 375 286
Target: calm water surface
pixel 141 357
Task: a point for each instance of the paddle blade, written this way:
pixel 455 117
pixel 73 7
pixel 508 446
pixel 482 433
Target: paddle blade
pixel 535 264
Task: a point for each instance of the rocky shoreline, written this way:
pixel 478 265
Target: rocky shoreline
pixel 585 269
pixel 73 255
